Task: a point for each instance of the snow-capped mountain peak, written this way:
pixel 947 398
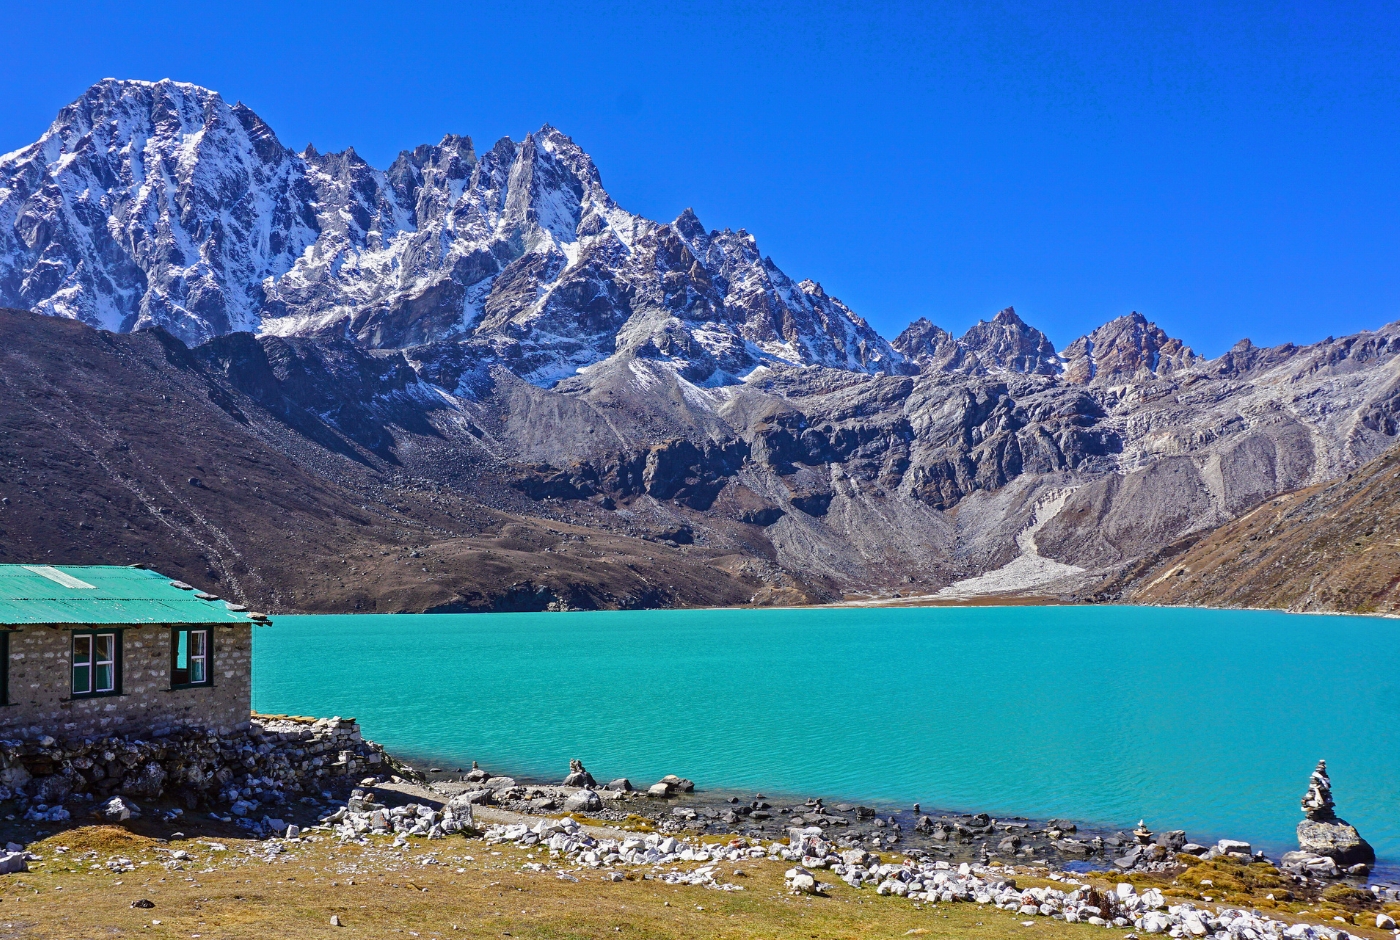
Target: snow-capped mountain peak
pixel 151 203
pixel 158 204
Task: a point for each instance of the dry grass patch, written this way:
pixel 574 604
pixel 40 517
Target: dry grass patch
pixel 379 892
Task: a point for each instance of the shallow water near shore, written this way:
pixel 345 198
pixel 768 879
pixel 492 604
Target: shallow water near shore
pixel 1208 721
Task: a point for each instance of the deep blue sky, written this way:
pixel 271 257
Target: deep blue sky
pixel 1228 169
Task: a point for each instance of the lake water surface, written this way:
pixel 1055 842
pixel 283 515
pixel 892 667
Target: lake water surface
pixel 1208 721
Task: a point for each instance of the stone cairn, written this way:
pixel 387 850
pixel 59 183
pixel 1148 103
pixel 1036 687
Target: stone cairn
pixel 578 777
pixel 1327 845
pixel 1317 802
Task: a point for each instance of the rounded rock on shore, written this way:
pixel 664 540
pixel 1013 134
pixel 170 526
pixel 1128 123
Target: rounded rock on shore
pixel 1336 839
pixel 584 801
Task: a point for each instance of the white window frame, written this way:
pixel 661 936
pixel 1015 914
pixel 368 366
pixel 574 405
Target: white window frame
pixel 93 663
pixel 203 659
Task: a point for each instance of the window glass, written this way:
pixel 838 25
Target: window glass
pixel 105 663
pixel 82 664
pixel 190 651
pixel 198 657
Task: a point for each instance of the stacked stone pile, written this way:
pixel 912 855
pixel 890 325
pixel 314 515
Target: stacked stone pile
pixel 578 776
pixel 277 759
pixel 1328 846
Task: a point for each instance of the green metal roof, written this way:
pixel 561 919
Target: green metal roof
pixel 102 594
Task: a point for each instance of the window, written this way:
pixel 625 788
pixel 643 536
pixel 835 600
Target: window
pixel 97 663
pixel 189 657
pixel 4 667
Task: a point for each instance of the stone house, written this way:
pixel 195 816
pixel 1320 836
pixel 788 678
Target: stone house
pixel 100 650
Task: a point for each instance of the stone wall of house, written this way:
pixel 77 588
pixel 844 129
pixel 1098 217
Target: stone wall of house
pixel 41 700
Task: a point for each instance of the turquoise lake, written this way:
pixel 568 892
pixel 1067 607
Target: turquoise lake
pixel 1208 721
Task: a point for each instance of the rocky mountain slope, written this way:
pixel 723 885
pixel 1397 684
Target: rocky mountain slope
pixel 124 449
pixel 492 330
pixel 1330 547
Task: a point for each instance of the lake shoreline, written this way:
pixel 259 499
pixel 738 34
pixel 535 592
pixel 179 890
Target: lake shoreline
pixel 1039 712
pixel 973 835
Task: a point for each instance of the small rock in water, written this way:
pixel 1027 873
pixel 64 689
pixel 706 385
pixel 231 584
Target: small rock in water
pixel 1306 863
pixel 1173 840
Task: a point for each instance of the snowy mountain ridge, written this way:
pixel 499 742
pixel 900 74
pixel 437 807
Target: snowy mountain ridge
pixel 158 204
pixel 493 325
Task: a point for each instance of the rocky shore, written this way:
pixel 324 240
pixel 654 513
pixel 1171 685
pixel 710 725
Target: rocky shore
pixel 566 848
pixel 288 779
pixel 251 779
pixel 673 806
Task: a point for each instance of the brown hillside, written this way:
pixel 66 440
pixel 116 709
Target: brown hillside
pixel 1332 547
pixel 117 449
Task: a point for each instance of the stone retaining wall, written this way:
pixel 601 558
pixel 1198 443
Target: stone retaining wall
pixel 274 760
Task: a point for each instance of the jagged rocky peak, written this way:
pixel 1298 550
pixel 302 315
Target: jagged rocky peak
pixel 116 109
pixel 922 339
pixel 1244 357
pixel 688 225
pixel 518 250
pixel 86 236
pixel 460 243
pixel 933 349
pixel 1006 343
pixel 1124 350
pixel 712 305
